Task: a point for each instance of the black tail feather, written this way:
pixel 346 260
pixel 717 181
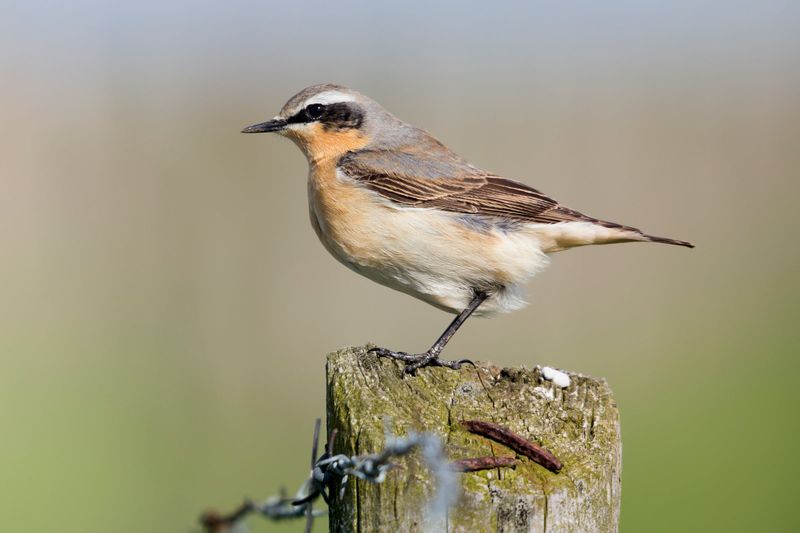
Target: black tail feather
pixel 665 240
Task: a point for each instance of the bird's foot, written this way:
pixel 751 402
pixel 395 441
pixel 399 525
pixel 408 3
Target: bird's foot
pixel 415 361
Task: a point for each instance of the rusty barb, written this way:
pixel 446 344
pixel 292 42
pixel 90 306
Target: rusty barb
pixel 482 463
pixel 519 444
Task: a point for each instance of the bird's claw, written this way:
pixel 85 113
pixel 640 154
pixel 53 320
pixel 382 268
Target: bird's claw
pixel 416 361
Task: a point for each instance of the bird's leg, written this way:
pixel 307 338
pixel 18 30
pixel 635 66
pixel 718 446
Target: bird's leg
pixel 431 357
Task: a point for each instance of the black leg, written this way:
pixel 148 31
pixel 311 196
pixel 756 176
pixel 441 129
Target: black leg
pixel 431 357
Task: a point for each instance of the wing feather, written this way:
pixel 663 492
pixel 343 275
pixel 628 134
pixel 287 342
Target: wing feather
pixel 415 179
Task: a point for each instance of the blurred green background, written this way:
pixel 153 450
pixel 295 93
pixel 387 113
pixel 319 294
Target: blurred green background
pixel 165 308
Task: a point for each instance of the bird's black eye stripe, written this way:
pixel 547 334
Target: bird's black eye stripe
pixel 337 116
pixel 343 115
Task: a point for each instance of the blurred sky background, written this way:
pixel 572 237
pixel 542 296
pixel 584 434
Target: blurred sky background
pixel 165 307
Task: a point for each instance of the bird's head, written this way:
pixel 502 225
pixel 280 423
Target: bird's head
pixel 328 120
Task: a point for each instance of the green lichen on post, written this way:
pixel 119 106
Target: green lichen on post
pixel 579 424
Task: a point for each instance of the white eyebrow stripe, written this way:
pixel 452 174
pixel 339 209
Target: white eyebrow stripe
pixel 329 97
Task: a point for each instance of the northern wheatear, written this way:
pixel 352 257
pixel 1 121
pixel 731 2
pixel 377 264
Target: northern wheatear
pixel 397 206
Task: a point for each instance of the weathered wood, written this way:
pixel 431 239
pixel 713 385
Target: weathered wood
pixel 579 425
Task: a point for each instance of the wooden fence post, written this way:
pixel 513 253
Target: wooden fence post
pixel 579 424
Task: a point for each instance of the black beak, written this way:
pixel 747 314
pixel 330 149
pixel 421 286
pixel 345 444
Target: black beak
pixel 276 124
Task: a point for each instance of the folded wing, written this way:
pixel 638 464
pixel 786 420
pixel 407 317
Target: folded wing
pixel 414 179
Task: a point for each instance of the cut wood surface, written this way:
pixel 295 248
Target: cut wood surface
pixel 579 425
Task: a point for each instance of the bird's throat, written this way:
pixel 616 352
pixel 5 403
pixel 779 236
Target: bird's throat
pixel 322 145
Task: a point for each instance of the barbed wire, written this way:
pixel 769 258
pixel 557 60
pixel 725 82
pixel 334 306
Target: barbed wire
pixel 327 470
pixel 276 508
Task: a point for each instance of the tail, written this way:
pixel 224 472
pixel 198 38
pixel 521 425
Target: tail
pixel 617 233
pixel 665 240
pixel 639 235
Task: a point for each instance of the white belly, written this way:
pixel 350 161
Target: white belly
pixel 430 254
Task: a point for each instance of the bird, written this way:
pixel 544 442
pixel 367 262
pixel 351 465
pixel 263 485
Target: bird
pixel 394 204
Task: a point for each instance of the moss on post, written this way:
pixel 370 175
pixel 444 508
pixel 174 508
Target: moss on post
pixel 579 424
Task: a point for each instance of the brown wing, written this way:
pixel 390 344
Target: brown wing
pixel 447 182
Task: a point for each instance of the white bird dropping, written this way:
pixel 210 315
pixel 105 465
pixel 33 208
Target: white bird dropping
pixel 556 376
